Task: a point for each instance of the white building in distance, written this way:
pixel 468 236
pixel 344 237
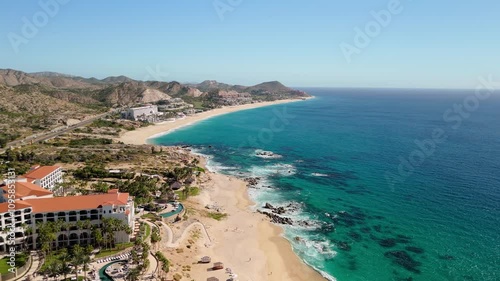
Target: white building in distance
pixel 148 113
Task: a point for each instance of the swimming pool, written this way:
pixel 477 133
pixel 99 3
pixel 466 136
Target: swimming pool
pixel 102 272
pixel 176 212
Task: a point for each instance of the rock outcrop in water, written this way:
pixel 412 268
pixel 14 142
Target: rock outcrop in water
pixel 276 218
pixel 252 182
pixel 276 213
pixel 276 210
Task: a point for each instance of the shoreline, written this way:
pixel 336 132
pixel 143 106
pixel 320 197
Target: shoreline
pixel 255 247
pixel 142 135
pixel 247 241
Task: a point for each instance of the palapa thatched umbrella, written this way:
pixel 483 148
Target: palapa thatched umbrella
pixel 176 185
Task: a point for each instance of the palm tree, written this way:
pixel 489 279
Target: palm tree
pixel 98 236
pixel 28 232
pixel 78 257
pixel 47 234
pixel 145 250
pixel 61 225
pixel 65 267
pixel 87 225
pixel 67 227
pixel 57 227
pixel 79 227
pixel 110 227
pixel 134 256
pixel 155 237
pixel 54 269
pixel 108 230
pixel 145 264
pixel 133 274
pixel 86 260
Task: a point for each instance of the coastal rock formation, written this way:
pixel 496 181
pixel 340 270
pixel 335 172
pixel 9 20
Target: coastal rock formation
pixel 305 223
pixel 290 208
pixel 276 210
pixel 252 182
pixel 267 154
pixel 276 213
pixel 277 219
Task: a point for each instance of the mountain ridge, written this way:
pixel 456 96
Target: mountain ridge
pixel 124 91
pixel 37 102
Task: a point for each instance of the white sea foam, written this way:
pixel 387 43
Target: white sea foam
pixel 281 169
pixel 319 175
pixel 312 247
pixel 214 166
pixel 317 250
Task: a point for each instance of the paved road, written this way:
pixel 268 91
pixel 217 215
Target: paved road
pixel 48 135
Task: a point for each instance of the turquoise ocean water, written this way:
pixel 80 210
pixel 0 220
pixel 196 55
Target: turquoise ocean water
pixel 439 219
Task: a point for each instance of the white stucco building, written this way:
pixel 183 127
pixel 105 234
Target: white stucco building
pixel 148 113
pixel 34 205
pixel 44 176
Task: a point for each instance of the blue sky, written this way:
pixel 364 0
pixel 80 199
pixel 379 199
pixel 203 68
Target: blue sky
pixel 428 44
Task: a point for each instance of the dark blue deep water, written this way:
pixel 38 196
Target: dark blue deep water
pixel 395 184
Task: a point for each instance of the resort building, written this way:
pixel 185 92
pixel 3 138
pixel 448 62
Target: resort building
pixel 45 176
pixel 34 205
pixel 174 104
pixel 147 113
pixel 23 190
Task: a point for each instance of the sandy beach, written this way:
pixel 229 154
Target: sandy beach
pixel 141 135
pixel 245 241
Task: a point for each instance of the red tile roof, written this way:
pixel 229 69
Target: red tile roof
pixel 23 189
pixel 4 207
pixel 41 172
pixel 70 203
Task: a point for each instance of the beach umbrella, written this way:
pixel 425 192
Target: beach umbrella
pixel 212 279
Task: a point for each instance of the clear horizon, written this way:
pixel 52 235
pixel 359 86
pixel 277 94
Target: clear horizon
pixel 335 44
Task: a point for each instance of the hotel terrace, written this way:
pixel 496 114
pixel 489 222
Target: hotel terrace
pixel 34 204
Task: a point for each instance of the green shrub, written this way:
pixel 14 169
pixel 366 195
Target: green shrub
pixel 89 141
pixel 165 264
pixel 217 216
